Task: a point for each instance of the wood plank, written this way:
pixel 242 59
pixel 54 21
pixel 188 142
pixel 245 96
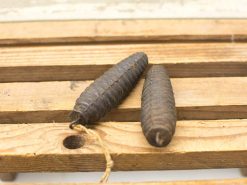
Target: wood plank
pixel 196 98
pixel 239 181
pixel 86 62
pixel 123 30
pixel 197 144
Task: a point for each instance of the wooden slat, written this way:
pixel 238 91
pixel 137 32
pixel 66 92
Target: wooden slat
pixel 239 181
pixel 86 62
pixel 196 98
pixel 123 30
pixel 197 144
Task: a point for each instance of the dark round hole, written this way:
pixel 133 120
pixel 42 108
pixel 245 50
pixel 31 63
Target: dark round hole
pixel 73 142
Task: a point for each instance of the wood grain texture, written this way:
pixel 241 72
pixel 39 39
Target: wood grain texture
pixel 123 30
pixel 87 62
pixel 197 182
pixel 196 98
pixel 196 144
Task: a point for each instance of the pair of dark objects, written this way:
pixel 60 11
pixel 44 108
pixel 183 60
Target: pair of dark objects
pixel 158 111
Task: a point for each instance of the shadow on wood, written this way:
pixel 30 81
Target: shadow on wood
pixel 244 171
pixel 8 176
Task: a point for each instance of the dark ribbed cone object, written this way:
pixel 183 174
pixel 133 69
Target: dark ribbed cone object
pixel 107 91
pixel 158 111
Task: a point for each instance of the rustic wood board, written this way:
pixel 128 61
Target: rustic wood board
pixel 197 182
pixel 83 51
pixel 123 30
pixel 196 98
pixel 197 144
pixel 87 62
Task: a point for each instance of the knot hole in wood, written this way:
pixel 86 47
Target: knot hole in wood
pixel 74 142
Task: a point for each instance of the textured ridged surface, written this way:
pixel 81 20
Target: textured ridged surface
pixel 158 114
pixel 109 89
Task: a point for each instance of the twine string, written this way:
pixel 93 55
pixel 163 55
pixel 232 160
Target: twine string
pixel 109 161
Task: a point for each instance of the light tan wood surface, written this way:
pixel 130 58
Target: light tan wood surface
pixel 86 62
pixel 197 182
pixel 35 51
pixel 123 30
pixel 196 144
pixel 196 98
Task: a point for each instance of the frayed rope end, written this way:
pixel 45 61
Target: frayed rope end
pixel 109 161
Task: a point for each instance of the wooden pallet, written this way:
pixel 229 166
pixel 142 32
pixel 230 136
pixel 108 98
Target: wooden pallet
pixel 44 66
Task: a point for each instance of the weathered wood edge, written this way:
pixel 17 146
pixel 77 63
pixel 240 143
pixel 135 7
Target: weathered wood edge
pixel 123 30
